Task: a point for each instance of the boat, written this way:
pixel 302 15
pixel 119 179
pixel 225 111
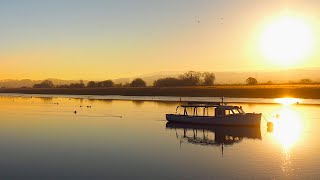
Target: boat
pixel 212 113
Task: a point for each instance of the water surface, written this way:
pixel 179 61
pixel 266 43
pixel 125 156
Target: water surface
pixel 43 138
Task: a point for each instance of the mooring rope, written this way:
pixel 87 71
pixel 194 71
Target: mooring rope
pixel 265 118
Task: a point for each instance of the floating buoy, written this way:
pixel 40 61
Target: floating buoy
pixel 270 125
pixel 75 112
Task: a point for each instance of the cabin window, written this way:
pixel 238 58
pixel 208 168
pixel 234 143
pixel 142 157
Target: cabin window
pixel 235 111
pixel 222 112
pixel 227 112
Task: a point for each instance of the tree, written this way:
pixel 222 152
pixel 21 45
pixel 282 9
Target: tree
pixel 138 82
pixel 44 84
pixel 209 78
pixel 107 83
pixel 251 81
pixel 47 84
pixel 191 78
pixel 77 85
pixel 63 86
pixel 91 84
pixel 170 81
pixel 305 81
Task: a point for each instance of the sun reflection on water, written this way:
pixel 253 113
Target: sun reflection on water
pixel 287 131
pixel 287 127
pixel 287 101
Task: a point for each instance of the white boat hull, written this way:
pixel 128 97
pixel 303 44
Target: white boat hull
pixel 248 119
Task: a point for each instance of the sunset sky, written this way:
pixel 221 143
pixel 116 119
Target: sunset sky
pixel 101 39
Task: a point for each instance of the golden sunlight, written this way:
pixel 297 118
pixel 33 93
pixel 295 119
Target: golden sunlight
pixel 287 41
pixel 287 127
pixel 287 101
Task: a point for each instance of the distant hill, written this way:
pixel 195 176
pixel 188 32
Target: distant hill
pixel 11 83
pixel 283 76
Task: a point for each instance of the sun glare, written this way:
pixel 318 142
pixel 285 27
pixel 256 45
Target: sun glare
pixel 287 101
pixel 287 41
pixel 287 128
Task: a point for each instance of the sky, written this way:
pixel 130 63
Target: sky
pixel 101 39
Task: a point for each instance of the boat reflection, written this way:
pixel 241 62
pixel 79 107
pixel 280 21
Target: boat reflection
pixel 213 135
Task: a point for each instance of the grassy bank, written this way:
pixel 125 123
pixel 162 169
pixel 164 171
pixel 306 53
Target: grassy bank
pixel 258 91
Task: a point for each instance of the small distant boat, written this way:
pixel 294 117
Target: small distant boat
pixel 213 113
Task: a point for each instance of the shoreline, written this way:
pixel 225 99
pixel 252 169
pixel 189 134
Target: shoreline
pixel 258 91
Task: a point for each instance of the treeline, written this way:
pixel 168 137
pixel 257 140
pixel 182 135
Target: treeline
pixel 191 78
pixel 138 82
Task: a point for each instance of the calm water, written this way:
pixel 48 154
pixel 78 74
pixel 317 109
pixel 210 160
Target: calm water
pixel 42 138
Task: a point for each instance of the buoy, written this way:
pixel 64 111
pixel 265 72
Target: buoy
pixel 270 125
pixel 75 112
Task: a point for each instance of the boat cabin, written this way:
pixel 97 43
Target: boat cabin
pixel 209 110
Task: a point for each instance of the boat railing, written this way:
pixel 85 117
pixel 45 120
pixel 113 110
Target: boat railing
pixel 219 110
pixel 203 103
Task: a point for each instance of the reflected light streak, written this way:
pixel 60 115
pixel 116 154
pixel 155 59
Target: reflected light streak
pixel 287 101
pixel 287 128
pixel 287 132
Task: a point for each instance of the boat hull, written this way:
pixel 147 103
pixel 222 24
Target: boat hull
pixel 248 119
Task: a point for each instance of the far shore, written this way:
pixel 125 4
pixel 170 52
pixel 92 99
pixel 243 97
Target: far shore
pixel 238 91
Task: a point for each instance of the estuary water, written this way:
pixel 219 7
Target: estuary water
pixel 94 137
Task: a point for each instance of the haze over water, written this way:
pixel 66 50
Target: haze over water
pixel 42 138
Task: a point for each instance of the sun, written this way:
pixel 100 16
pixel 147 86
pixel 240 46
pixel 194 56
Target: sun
pixel 287 41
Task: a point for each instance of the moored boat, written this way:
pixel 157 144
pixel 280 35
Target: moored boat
pixel 214 114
